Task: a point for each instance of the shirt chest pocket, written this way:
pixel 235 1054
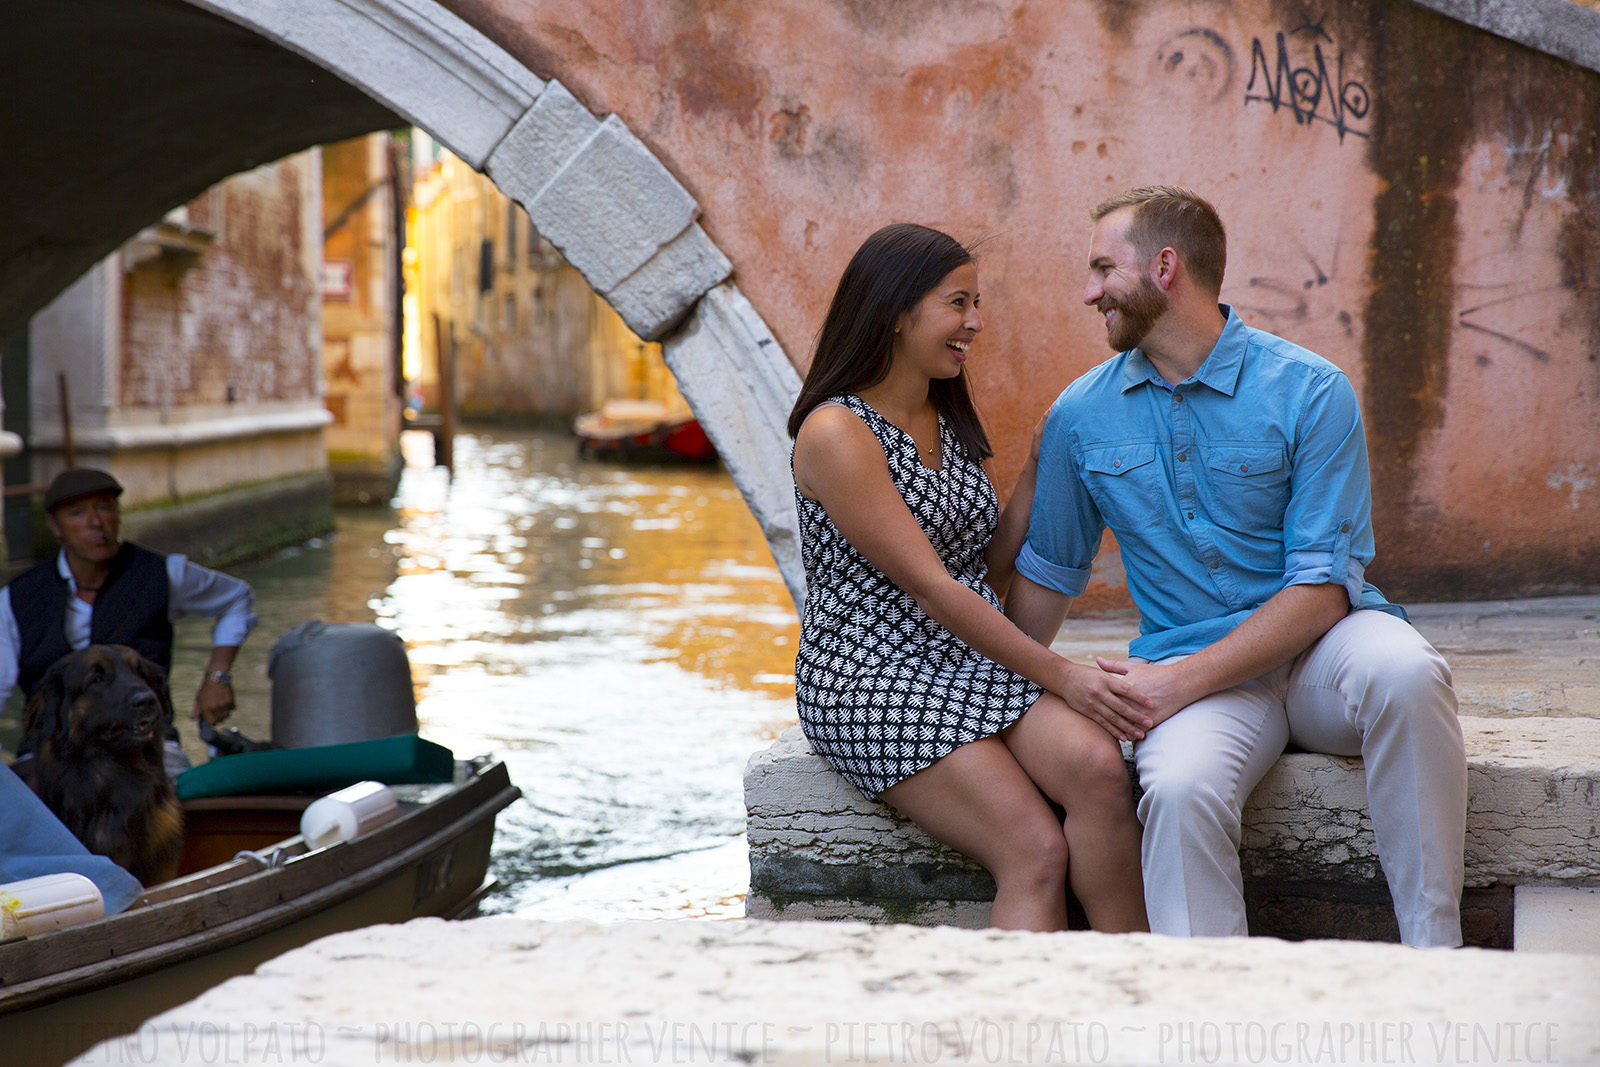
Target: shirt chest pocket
pixel 1251 483
pixel 1126 484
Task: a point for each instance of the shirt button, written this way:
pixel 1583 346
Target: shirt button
pixel 1177 398
pixel 1344 527
pixel 1116 463
pixel 1215 564
pixel 1188 514
pixel 1244 468
pixel 1182 456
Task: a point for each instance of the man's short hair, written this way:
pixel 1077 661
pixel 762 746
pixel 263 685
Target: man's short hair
pixel 1168 215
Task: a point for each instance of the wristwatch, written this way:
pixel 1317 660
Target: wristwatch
pixel 220 677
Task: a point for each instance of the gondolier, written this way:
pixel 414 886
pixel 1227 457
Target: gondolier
pixel 99 589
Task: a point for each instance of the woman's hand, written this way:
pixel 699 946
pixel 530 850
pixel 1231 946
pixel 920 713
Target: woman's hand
pixel 1038 436
pixel 1109 699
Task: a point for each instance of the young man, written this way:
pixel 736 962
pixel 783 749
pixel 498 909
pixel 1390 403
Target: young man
pixel 100 589
pixel 1232 467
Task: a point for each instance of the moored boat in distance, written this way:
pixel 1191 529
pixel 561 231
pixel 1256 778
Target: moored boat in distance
pixel 642 430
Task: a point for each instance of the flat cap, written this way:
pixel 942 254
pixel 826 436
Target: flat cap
pixel 74 482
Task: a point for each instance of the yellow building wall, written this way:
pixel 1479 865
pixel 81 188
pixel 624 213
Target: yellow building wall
pixel 530 336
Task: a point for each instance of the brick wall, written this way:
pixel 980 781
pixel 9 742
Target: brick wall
pixel 240 322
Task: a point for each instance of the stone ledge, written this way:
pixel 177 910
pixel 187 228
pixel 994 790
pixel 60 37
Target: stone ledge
pixel 507 989
pixel 1533 817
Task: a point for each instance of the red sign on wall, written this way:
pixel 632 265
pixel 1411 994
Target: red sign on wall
pixel 338 275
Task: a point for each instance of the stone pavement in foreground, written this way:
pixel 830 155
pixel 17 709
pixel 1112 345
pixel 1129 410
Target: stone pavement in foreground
pixel 1511 658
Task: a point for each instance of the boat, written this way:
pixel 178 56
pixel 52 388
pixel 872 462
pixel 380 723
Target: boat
pixel 642 430
pixel 249 889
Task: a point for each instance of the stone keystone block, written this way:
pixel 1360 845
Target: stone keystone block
pixel 541 144
pixel 612 207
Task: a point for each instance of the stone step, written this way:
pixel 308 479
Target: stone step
pixel 818 849
pixel 506 989
pixel 1553 918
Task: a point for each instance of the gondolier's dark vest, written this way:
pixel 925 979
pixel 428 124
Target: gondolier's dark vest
pixel 130 609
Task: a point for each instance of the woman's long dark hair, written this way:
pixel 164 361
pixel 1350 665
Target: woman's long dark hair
pixel 891 271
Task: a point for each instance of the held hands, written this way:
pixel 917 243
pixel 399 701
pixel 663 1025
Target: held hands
pixel 213 702
pixel 1164 686
pixel 1109 699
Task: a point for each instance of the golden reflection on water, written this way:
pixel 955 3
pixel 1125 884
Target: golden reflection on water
pixel 619 635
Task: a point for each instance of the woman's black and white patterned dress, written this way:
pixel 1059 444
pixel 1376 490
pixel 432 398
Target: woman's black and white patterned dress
pixel 883 690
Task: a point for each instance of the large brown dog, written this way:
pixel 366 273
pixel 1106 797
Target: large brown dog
pixel 95 724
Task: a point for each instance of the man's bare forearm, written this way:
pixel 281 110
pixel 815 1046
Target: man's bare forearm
pixel 1036 610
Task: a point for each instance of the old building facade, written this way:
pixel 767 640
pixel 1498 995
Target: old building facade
pixel 365 190
pixel 528 335
pixel 188 363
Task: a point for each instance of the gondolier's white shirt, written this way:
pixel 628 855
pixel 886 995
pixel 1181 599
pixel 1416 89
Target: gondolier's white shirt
pixel 191 590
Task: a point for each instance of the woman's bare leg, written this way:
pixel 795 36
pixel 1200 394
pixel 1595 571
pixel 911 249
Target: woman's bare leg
pixel 979 801
pixel 1080 767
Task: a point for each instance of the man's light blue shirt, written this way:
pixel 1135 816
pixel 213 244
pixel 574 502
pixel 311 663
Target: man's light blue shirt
pixel 1245 479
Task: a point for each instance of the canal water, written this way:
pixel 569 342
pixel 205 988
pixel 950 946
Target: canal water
pixel 618 635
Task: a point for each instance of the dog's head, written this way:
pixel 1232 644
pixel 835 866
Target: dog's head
pixel 101 699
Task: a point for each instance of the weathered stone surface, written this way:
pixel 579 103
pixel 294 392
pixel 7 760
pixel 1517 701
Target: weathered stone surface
pixel 612 206
pixel 543 141
pixel 1562 28
pixel 413 55
pixel 1558 919
pixel 1519 657
pixel 1533 816
pixel 1533 810
pixel 734 376
pixel 654 298
pixel 504 989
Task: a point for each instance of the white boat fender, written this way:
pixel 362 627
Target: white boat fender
pixel 350 812
pixel 49 902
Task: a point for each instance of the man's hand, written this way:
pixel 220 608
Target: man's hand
pixel 214 701
pixel 1166 687
pixel 1108 699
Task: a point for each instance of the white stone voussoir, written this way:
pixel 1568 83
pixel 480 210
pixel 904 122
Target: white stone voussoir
pixel 741 386
pixel 542 142
pixel 653 299
pixel 612 207
pixel 424 63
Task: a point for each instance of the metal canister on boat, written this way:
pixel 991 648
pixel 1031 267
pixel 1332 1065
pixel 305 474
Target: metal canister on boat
pixel 48 902
pixel 334 683
pixel 348 813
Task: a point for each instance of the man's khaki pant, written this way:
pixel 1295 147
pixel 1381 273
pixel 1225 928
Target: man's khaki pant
pixel 1371 687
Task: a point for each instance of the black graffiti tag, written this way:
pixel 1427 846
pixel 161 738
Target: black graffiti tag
pixel 1310 93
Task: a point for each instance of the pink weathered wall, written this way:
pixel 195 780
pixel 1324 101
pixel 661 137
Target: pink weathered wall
pixel 1415 199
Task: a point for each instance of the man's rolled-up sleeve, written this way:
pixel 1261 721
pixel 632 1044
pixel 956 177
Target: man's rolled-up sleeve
pixel 198 590
pixel 1327 528
pixel 1064 526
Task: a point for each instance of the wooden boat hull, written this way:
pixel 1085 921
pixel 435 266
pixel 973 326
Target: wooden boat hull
pixel 663 441
pixel 63 992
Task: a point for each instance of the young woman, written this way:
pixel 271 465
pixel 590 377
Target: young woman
pixel 909 679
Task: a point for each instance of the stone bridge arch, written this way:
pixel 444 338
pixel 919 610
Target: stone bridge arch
pixel 595 191
pixel 114 136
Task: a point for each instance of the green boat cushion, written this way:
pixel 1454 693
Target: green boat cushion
pixel 320 768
